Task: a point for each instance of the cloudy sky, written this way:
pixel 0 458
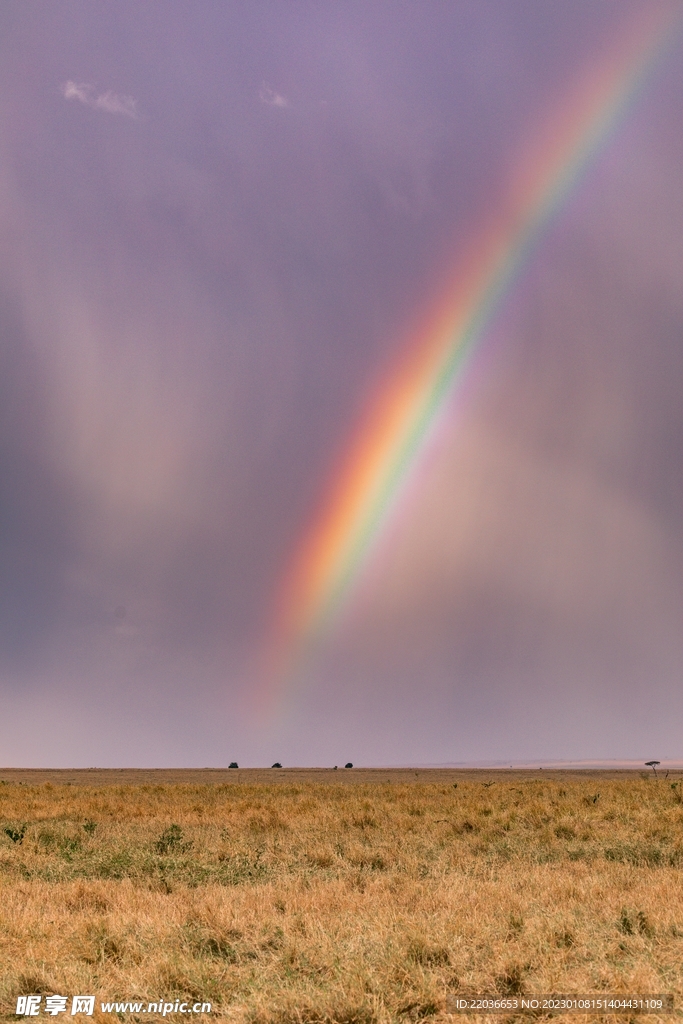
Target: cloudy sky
pixel 218 225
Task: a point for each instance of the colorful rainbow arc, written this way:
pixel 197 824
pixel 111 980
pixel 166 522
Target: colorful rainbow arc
pixel 400 417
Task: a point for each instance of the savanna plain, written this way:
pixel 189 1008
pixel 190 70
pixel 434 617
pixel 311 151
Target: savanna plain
pixel 295 897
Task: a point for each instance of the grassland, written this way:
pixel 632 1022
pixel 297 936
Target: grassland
pixel 308 899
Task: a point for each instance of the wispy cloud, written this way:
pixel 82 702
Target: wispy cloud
pixel 109 101
pixel 272 98
pixel 115 104
pixel 73 91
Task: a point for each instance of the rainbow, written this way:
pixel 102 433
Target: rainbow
pixel 401 415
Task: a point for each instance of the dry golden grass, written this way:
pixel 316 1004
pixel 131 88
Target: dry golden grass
pixel 309 901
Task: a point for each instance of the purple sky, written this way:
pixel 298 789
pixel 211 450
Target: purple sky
pixel 217 223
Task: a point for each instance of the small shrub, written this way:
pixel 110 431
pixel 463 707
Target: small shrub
pixel 69 845
pixel 625 923
pixel 240 870
pixel 90 827
pixel 635 923
pixel 16 834
pixel 118 865
pixel 169 840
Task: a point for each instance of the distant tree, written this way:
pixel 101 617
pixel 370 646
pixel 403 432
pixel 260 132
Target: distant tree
pixel 348 765
pixel 276 765
pixel 233 764
pixel 653 765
